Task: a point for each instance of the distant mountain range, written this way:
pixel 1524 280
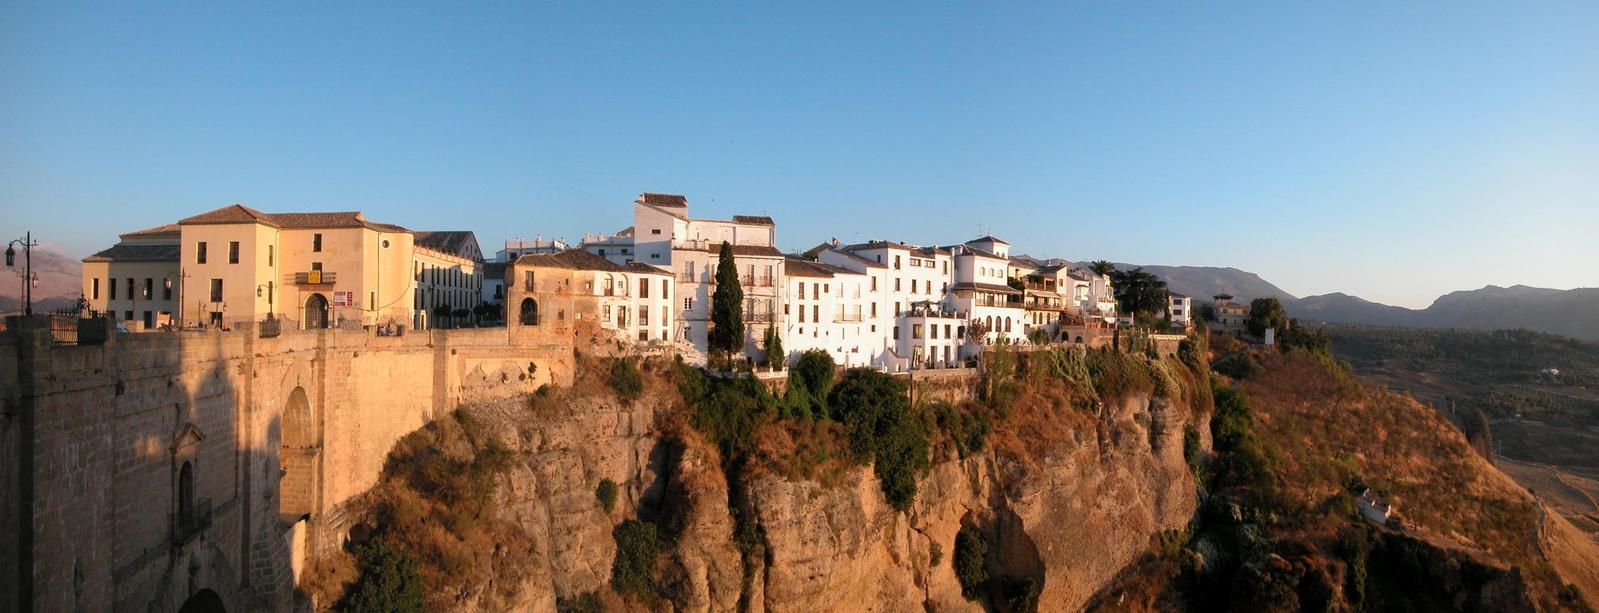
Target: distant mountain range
pixel 1573 313
pixel 60 281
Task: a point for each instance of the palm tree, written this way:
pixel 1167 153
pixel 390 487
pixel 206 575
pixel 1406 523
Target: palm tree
pixel 1102 267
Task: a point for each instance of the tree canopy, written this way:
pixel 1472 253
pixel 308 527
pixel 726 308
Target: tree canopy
pixel 1267 313
pixel 1139 292
pixel 727 305
pixel 1102 267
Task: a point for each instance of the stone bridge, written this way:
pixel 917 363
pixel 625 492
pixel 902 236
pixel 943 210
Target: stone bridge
pixel 201 471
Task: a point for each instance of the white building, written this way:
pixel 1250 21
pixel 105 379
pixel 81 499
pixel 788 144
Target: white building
pixel 1180 309
pixel 552 292
pixel 517 247
pixel 1093 294
pixel 825 307
pixel 663 236
pixel 908 287
pixel 981 289
pixel 447 269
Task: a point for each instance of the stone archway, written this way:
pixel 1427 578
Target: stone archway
pixel 316 312
pixel 203 601
pixel 298 453
pixel 530 312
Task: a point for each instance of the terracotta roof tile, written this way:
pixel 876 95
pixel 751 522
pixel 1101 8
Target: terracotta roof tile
pixel 461 243
pixel 572 259
pixel 760 220
pixel 668 200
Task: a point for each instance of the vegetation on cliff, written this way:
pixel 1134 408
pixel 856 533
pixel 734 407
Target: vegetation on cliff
pixel 1296 440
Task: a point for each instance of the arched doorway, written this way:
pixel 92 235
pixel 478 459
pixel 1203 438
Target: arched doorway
pixel 316 312
pixel 530 312
pixel 203 601
pixel 297 453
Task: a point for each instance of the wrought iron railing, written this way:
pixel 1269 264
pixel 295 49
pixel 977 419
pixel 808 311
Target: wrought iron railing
pixel 315 277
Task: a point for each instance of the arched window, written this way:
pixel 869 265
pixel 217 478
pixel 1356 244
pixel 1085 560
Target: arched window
pixel 1007 325
pixel 316 312
pixel 530 312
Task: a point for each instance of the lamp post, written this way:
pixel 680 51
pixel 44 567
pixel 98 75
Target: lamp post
pixel 271 289
pixel 28 278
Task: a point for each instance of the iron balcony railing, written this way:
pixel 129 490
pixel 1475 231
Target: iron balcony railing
pixel 315 277
pixel 753 281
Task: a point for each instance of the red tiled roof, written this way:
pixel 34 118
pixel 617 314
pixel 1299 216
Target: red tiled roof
pixel 572 259
pixel 670 200
pixel 462 243
pixel 749 250
pixel 137 253
pixel 170 228
pixel 759 220
pixel 233 213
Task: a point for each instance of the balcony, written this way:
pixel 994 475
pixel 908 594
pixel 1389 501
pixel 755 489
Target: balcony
pixel 315 277
pixel 847 319
pixel 753 281
pixel 758 318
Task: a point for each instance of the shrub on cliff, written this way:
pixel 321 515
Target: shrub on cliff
pixel 727 410
pixel 971 562
pixel 390 581
pixel 878 422
pixel 625 379
pixel 633 571
pixel 606 493
pixel 814 372
pixel 966 430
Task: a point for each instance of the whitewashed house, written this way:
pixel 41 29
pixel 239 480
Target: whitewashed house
pixel 981 292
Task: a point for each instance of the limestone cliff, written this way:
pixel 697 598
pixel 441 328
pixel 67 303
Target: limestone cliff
pixel 1068 508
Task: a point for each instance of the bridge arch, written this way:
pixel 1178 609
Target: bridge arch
pixel 299 452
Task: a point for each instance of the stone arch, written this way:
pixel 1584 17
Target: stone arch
pixel 203 601
pixel 299 451
pixel 316 312
pixel 529 313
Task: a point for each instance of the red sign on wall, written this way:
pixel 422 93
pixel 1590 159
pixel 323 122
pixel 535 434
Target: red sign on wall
pixel 343 299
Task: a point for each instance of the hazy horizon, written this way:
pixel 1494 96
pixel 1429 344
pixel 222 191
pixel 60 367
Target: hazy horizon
pixel 1392 153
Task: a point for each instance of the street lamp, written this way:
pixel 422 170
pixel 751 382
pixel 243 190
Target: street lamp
pixel 30 280
pixel 270 288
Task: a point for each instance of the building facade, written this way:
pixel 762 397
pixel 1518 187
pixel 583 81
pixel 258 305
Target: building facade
pixel 447 269
pixel 552 294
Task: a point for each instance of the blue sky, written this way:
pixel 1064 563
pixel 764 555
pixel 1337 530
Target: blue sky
pixel 1393 152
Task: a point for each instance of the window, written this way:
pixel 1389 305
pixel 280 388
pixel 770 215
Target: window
pixel 874 309
pixel 816 313
pixel 896 262
pixel 896 284
pixel 816 291
pixel 132 290
pixel 896 333
pixel 316 242
pixel 802 290
pixel 270 254
pixel 688 304
pixel 801 314
pixel 113 288
pixel 317 266
pixel 655 230
pixel 233 252
pixel 643 291
pixel 149 288
pixel 95 292
pixel 666 288
pixel 216 290
pixel 643 316
pixel 913 286
pixel 916 331
pixel 932 332
pixel 199 253
pixel 666 316
pixel 874 284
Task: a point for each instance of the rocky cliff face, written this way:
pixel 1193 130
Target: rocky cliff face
pixel 1070 521
pixel 1069 515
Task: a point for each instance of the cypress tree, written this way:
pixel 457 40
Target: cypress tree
pixel 727 306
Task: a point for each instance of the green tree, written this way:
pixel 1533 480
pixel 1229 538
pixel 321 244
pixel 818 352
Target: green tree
pixel 1038 336
pixel 815 371
pixel 1267 313
pixel 971 561
pixel 727 306
pixel 633 571
pixel 775 356
pixel 606 493
pixel 1102 267
pixel 391 580
pixel 1140 294
pixel 878 422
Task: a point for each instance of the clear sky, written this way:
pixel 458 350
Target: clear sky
pixel 1393 152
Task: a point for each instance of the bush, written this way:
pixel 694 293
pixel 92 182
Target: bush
pixel 971 562
pixel 814 372
pixel 727 410
pixel 606 493
pixel 625 379
pixel 587 602
pixel 1021 593
pixel 637 546
pixel 877 420
pixel 1038 336
pixel 391 580
pixel 966 430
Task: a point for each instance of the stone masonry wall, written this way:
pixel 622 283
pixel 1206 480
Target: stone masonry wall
pixel 95 436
